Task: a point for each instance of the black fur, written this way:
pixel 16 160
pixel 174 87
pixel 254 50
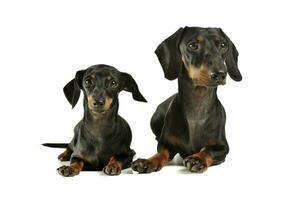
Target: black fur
pixel 102 134
pixel 192 122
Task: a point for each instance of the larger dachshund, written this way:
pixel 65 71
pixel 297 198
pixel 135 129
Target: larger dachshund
pixel 102 138
pixel 192 122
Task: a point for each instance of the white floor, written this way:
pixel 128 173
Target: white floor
pixel 38 178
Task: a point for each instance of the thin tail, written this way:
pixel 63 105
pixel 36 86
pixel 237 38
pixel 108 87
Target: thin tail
pixel 56 145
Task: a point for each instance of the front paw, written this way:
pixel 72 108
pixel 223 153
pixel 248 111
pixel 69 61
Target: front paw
pixel 67 171
pixel 112 169
pixel 195 164
pixel 145 166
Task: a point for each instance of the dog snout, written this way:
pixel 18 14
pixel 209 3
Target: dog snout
pixel 218 76
pixel 99 102
pixel 217 70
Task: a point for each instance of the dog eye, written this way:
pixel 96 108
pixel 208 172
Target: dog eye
pixel 193 46
pixel 88 82
pixel 223 45
pixel 114 84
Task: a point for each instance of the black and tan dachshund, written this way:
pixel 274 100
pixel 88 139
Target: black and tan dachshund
pixel 102 138
pixel 192 122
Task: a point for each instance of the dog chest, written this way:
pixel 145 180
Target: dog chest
pixel 196 133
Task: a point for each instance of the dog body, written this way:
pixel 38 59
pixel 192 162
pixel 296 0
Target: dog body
pixel 191 127
pixel 192 122
pixel 102 138
pixel 99 141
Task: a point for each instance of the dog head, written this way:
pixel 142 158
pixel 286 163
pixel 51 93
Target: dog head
pixel 207 54
pixel 101 85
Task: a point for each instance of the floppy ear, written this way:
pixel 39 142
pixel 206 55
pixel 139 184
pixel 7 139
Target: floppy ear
pixel 72 89
pixel 130 85
pixel 169 55
pixel 231 59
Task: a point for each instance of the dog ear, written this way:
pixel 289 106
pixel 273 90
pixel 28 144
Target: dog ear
pixel 72 89
pixel 169 55
pixel 130 85
pixel 231 59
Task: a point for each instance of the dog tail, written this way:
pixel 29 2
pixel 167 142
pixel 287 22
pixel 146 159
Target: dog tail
pixel 56 145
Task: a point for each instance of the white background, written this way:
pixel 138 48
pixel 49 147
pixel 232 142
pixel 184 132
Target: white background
pixel 43 44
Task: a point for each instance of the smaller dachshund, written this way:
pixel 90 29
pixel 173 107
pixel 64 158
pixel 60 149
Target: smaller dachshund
pixel 102 138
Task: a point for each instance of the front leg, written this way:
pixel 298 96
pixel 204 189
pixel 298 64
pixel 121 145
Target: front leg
pixel 75 167
pixel 119 162
pixel 114 167
pixel 198 162
pixel 154 163
pixel 206 157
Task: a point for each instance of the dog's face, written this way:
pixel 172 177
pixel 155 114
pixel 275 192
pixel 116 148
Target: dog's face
pixel 207 55
pixel 203 54
pixel 101 85
pixel 101 88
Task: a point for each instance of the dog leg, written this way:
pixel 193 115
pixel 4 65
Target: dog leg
pixel 119 162
pixel 75 167
pixel 198 162
pixel 154 163
pixel 114 167
pixel 66 155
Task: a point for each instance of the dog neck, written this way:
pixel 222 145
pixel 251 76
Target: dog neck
pixel 196 99
pixel 95 121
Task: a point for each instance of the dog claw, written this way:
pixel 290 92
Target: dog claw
pixel 67 171
pixel 195 164
pixel 145 166
pixel 112 169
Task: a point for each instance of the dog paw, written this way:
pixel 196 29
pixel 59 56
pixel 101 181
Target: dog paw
pixel 112 169
pixel 63 157
pixel 145 166
pixel 67 171
pixel 195 164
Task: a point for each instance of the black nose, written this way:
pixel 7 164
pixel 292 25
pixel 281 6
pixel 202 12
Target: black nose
pixel 218 76
pixel 99 102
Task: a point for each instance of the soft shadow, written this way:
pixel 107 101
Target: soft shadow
pixel 183 170
pixel 127 171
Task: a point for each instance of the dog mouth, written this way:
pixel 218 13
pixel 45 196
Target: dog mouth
pixel 217 83
pixel 208 84
pixel 99 111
